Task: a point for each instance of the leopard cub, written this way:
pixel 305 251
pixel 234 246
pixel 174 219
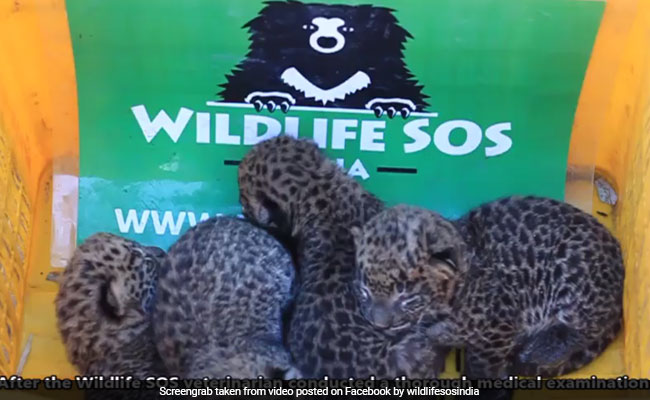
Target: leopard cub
pixel 528 286
pixel 104 307
pixel 222 294
pixel 290 187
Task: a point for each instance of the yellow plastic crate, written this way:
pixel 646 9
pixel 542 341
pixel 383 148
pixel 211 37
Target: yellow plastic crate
pixel 39 129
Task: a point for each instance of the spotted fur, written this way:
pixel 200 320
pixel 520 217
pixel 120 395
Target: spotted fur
pixel 290 187
pixel 528 285
pixel 103 307
pixel 222 293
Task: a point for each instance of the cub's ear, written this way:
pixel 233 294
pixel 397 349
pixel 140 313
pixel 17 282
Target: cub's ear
pixel 446 277
pixel 446 245
pixel 357 235
pixel 156 252
pixel 113 299
pixel 447 256
pixel 263 216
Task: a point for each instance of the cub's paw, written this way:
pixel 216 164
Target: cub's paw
pixel 391 107
pixel 270 100
pixel 292 373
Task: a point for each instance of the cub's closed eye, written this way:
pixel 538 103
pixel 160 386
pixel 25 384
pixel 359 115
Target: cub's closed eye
pixel 411 302
pixel 364 294
pixel 149 262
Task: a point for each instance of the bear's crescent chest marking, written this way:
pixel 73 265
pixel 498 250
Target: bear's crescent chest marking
pixel 292 77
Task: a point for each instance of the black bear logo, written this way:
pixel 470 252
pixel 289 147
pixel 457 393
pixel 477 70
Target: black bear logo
pixel 325 55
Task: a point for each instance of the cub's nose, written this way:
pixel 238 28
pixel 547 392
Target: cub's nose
pixel 381 317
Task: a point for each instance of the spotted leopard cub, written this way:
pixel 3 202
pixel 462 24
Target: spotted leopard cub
pixel 221 298
pixel 103 307
pixel 292 188
pixel 528 286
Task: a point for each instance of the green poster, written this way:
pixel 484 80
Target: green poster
pixel 444 104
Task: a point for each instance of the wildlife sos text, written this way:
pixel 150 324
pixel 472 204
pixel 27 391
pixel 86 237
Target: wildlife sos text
pixel 358 131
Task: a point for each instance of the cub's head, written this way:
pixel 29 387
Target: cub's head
pixel 408 260
pixel 277 176
pixel 105 297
